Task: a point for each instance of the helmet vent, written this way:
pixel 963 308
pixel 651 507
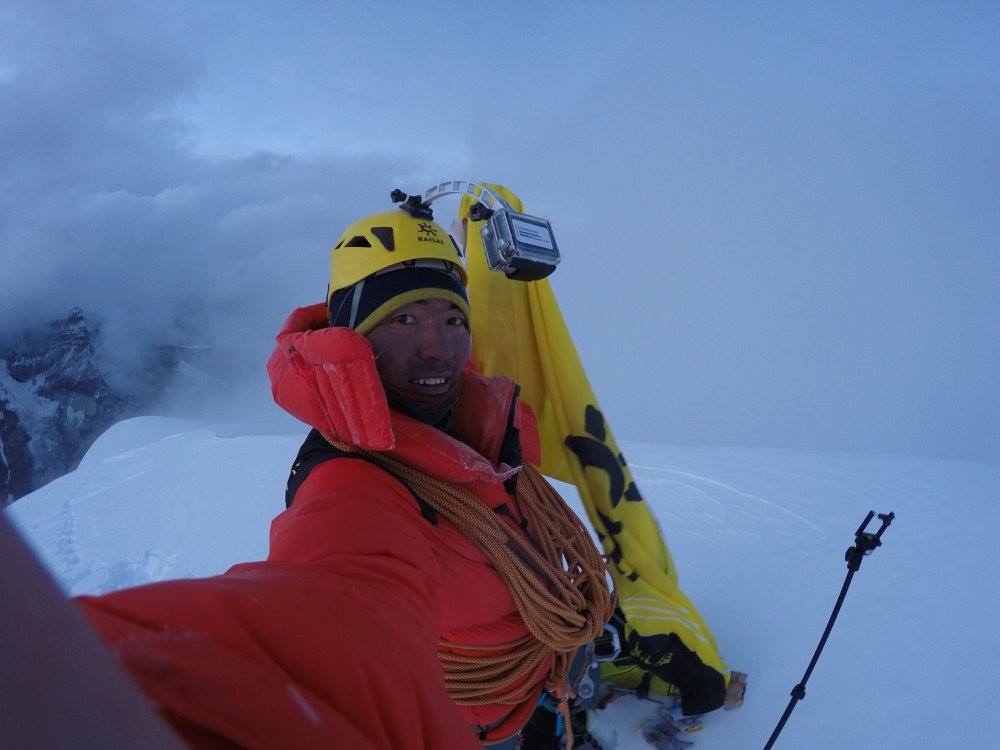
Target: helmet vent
pixel 358 241
pixel 386 237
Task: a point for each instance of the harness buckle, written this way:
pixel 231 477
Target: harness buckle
pixel 608 645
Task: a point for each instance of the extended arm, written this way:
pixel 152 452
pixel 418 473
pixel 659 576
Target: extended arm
pixel 331 642
pixel 59 687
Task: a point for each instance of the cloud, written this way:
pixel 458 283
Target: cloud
pixel 107 206
pixel 787 219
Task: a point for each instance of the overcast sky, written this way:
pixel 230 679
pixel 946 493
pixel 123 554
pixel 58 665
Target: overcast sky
pixel 780 223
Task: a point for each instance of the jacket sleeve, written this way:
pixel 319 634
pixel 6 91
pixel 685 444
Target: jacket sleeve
pixel 331 642
pixel 351 515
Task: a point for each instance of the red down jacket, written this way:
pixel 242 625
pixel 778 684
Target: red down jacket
pixel 332 641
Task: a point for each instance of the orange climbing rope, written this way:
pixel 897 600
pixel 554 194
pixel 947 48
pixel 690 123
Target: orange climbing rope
pixel 555 574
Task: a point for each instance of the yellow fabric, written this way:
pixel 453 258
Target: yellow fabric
pixel 518 331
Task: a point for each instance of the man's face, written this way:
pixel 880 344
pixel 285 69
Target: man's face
pixel 420 350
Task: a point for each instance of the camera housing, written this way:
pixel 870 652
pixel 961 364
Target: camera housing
pixel 520 246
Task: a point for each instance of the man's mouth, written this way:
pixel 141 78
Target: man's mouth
pixel 429 381
pixel 431 384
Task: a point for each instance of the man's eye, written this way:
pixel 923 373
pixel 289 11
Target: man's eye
pixel 404 318
pixel 456 320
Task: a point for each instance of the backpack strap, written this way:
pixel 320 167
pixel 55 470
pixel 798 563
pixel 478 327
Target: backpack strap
pixel 317 450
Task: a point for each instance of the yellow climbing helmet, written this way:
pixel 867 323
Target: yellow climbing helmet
pixel 390 259
pixel 387 239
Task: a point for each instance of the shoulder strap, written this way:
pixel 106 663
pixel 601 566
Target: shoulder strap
pixel 510 448
pixel 314 451
pixel 317 450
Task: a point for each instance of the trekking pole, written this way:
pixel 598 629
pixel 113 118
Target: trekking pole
pixel 864 544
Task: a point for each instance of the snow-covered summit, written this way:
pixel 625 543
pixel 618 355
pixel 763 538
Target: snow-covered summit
pixel 758 537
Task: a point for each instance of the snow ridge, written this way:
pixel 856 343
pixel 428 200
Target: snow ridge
pixel 758 537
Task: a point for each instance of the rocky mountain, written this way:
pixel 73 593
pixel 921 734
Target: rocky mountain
pixel 54 402
pixel 15 455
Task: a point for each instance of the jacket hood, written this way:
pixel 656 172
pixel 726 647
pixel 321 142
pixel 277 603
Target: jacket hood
pixel 326 377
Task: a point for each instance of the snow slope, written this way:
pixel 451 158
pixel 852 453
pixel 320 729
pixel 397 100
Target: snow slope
pixel 758 536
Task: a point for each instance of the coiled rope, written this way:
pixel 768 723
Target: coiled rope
pixel 555 574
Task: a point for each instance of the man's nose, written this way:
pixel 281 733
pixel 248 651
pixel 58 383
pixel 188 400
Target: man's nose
pixel 434 343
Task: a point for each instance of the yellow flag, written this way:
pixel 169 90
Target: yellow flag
pixel 518 331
